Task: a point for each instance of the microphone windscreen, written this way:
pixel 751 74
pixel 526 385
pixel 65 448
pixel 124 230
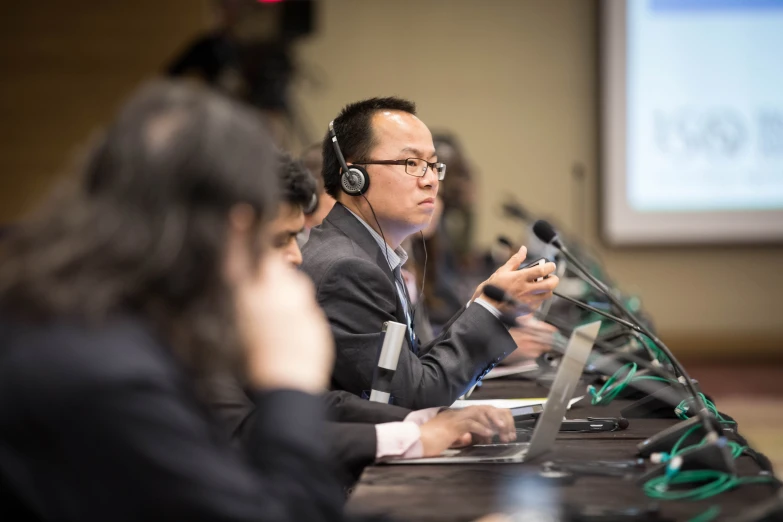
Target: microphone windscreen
pixel 495 293
pixel 622 423
pixel 544 231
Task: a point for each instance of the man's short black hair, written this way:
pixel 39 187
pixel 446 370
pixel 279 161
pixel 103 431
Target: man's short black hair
pixel 297 186
pixel 354 134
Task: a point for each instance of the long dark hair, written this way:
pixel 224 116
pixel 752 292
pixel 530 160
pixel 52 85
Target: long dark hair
pixel 144 230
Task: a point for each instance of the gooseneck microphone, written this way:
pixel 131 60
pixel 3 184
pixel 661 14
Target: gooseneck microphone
pixel 498 294
pixel 585 306
pixel 546 233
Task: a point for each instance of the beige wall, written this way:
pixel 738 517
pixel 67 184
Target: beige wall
pixel 518 81
pixel 65 67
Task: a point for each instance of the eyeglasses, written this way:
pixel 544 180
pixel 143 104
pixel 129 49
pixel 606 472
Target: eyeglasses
pixel 413 166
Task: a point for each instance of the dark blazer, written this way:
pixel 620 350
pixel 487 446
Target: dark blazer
pixel 355 287
pixel 103 424
pixel 349 430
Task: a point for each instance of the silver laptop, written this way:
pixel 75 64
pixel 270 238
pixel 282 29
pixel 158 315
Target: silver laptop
pixel 570 370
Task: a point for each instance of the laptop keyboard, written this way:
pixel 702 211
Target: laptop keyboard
pixel 493 450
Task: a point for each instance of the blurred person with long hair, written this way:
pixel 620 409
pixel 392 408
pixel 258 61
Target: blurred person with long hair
pixel 151 273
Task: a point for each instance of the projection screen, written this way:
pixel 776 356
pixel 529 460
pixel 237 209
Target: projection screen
pixel 692 122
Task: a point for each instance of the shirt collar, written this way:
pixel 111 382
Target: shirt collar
pixel 396 257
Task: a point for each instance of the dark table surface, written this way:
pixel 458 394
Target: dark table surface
pixel 464 492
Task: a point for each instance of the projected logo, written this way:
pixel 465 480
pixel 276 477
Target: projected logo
pixel 771 132
pixel 688 133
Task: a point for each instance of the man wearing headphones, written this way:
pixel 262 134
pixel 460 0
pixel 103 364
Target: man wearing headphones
pixel 385 175
pixel 359 432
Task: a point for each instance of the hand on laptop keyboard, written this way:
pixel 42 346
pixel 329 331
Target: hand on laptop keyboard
pixel 461 427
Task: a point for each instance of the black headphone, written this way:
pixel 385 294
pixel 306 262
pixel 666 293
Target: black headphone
pixel 354 180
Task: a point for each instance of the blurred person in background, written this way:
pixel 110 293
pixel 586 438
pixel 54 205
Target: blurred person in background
pixel 247 56
pixel 451 257
pixel 313 161
pixel 354 259
pixel 153 273
pixel 451 266
pixel 459 200
pixel 299 199
pixel 361 432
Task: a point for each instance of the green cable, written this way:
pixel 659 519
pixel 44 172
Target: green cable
pixel 609 390
pixel 715 482
pixel 707 516
pixel 736 448
pixel 615 384
pixel 675 449
pixel 651 346
pixel 682 410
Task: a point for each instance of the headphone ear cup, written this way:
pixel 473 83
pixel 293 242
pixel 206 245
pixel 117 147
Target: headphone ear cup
pixel 355 180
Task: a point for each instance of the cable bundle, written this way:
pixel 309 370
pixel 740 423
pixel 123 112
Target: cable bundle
pixel 712 482
pixel 682 410
pixel 617 383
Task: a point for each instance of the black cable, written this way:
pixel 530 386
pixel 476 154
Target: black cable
pixel 424 270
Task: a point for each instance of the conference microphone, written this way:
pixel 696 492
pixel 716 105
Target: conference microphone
pixel 607 361
pixel 658 398
pixel 546 233
pixel 661 397
pixel 392 339
pixel 498 294
pixel 723 460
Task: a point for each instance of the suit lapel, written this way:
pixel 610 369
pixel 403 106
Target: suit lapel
pixel 342 219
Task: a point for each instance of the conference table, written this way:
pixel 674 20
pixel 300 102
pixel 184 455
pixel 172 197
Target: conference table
pixel 464 492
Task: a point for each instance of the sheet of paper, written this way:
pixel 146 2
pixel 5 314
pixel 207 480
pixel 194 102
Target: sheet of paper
pixel 502 371
pixel 508 403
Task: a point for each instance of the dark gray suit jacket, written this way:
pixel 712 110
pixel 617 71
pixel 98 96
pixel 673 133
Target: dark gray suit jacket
pixel 356 289
pixel 349 430
pixel 101 422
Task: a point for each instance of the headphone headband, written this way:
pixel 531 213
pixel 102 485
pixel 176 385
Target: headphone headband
pixel 336 146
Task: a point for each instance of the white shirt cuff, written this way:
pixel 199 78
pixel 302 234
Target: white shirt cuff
pixel 398 439
pixel 494 311
pixel 422 416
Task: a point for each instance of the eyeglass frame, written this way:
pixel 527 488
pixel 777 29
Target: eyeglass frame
pixel 430 165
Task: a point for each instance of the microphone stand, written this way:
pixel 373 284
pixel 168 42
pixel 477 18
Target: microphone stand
pixel 660 398
pixel 716 451
pixel 611 353
pixel 635 324
pixel 713 455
